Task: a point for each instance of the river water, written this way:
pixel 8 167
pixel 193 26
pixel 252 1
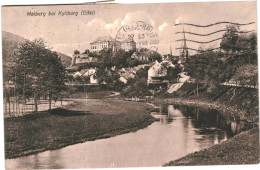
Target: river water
pixel 180 130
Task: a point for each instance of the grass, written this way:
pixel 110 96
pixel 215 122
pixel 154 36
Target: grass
pixel 82 121
pixel 241 149
pixel 91 95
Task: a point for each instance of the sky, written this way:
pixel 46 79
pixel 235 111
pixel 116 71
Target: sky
pixel 68 33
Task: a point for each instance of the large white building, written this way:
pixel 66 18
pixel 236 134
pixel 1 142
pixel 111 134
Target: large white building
pixel 107 42
pixel 104 42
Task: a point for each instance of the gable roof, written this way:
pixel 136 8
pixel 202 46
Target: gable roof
pixel 128 41
pixel 127 75
pixel 103 39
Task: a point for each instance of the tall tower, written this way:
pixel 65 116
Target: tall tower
pixel 184 48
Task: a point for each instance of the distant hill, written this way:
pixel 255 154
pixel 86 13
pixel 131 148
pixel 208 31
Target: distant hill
pixel 10 43
pixel 66 60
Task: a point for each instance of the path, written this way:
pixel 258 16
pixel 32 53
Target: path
pixel 183 78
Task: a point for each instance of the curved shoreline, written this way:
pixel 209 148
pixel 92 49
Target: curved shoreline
pixel 105 136
pixel 209 105
pixel 135 122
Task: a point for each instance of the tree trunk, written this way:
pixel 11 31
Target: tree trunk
pixel 9 107
pixel 197 89
pixel 35 103
pixel 50 97
pixel 24 100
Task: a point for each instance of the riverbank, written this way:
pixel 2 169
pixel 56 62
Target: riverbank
pixel 241 149
pixel 83 120
pixel 226 110
pixel 239 103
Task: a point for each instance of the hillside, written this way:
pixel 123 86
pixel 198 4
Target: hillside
pixel 243 100
pixel 10 42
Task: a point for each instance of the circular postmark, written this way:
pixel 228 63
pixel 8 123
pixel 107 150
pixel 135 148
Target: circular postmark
pixel 141 33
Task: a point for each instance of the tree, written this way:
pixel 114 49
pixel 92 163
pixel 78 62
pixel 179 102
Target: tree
pixel 87 51
pixel 230 39
pixel 76 52
pixel 172 73
pixel 155 56
pixel 36 70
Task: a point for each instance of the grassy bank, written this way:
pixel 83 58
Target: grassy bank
pixel 238 101
pixel 81 121
pixel 241 149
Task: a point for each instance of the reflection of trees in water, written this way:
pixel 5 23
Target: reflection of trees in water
pixel 210 121
pixel 54 159
pixel 49 159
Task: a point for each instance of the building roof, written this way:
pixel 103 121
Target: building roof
pixel 157 70
pixel 127 75
pixel 128 41
pixel 103 39
pixel 140 55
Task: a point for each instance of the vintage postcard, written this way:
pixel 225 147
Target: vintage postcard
pixel 130 85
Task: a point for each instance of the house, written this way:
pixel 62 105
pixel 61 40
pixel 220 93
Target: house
pixel 126 76
pixel 122 79
pixel 104 42
pixel 141 56
pixel 140 67
pixel 168 64
pixel 90 72
pixel 93 79
pixel 128 44
pixel 157 74
pixel 77 74
pixel 82 58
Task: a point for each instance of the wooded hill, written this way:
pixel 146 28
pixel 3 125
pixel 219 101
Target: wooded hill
pixel 10 42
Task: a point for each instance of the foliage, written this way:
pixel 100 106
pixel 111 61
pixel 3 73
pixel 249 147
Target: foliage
pixel 155 56
pixel 76 52
pixel 172 73
pixel 138 86
pixel 236 59
pixel 87 51
pixel 246 75
pixel 37 70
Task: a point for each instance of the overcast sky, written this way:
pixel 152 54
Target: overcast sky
pixel 67 33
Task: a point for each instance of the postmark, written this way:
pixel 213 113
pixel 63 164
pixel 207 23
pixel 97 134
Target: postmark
pixel 141 32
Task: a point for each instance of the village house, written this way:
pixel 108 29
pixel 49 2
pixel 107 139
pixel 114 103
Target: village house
pixel 82 58
pixel 157 74
pixel 141 56
pixel 91 73
pixel 126 76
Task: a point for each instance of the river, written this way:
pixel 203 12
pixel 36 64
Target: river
pixel 180 130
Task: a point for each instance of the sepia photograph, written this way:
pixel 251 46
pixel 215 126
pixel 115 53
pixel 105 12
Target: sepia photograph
pixel 113 85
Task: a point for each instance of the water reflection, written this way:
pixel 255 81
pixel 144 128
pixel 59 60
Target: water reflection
pixel 209 123
pixel 180 131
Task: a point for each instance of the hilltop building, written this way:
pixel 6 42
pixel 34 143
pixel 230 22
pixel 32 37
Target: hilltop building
pixel 101 43
pixel 128 44
pixel 107 42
